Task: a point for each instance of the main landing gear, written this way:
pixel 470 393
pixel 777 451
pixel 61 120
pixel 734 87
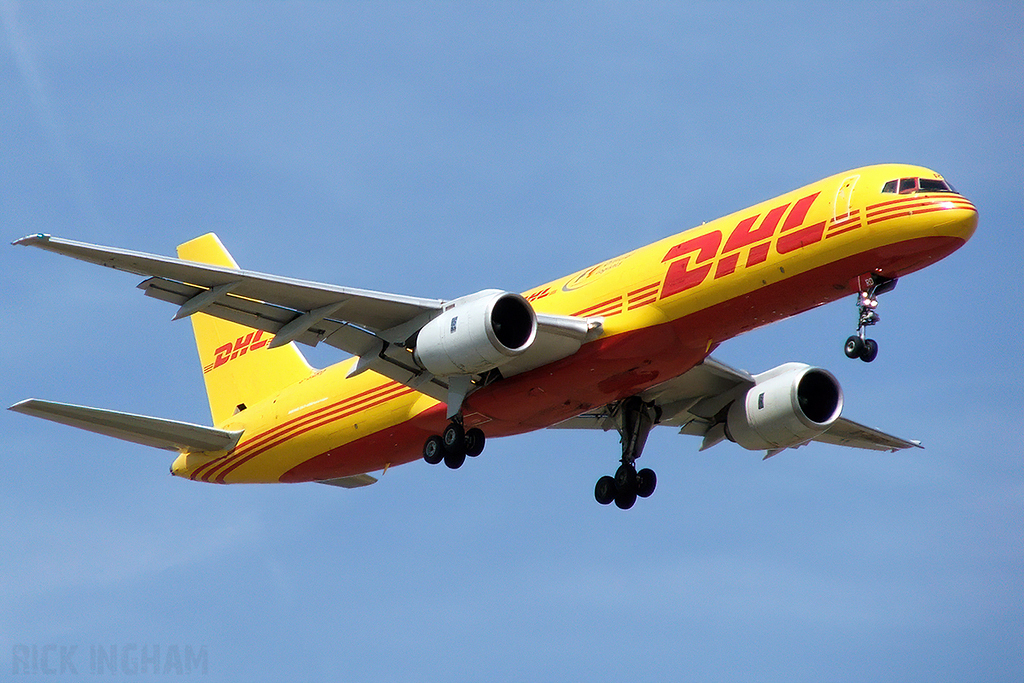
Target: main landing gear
pixel 635 419
pixel 454 444
pixel 857 346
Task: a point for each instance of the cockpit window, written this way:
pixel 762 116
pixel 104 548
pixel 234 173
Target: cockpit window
pixel 912 185
pixel 930 185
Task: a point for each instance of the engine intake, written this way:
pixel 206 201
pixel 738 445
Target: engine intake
pixel 789 405
pixel 476 333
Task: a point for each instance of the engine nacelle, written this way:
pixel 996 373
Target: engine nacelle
pixel 476 333
pixel 789 405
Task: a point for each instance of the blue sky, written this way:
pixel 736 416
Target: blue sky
pixel 437 150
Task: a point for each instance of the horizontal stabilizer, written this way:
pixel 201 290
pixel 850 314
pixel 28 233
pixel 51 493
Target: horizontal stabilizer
pixel 148 431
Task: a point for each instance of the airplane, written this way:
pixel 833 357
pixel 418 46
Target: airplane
pixel 623 345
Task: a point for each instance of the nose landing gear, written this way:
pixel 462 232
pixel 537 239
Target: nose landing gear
pixel 635 419
pixel 858 346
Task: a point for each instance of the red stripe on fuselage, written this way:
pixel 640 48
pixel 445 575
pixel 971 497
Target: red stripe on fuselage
pixel 645 288
pixel 597 309
pixel 205 472
pixel 615 367
pixel 352 410
pixel 913 201
pixel 915 209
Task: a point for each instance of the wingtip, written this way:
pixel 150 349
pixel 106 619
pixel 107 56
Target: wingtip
pixel 26 406
pixel 32 239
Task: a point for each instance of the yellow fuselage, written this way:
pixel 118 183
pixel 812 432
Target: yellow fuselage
pixel 664 306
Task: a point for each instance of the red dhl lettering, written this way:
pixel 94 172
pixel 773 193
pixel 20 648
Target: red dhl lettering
pixel 230 351
pixel 692 260
pixel 683 275
pixel 540 294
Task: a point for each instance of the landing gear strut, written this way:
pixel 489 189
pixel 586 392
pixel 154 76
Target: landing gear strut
pixel 454 444
pixel 858 346
pixel 635 419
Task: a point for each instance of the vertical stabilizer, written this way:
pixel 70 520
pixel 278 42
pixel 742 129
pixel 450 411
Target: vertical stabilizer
pixel 238 368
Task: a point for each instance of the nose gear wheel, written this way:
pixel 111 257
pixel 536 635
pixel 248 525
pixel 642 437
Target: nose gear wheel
pixel 858 345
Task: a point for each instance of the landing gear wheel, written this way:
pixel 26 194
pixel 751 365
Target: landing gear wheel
pixel 625 498
pixel 625 486
pixel 633 418
pixel 872 287
pixel 625 477
pixel 433 450
pixel 453 445
pixel 870 350
pixel 604 492
pixel 646 481
pixel 454 438
pixel 474 441
pixel 854 347
pixel 454 460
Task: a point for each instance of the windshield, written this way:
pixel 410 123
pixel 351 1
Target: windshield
pixel 913 185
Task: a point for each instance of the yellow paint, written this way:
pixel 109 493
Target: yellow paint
pixel 249 377
pixel 282 393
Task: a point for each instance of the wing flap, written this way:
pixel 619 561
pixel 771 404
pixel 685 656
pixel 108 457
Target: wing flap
pixel 157 432
pixel 371 325
pixel 849 433
pixel 354 482
pixel 369 309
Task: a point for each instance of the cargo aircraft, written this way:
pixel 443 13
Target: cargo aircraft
pixel 621 345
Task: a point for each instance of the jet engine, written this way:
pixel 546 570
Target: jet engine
pixel 476 333
pixel 789 405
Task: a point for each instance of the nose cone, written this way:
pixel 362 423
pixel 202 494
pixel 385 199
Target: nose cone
pixel 962 218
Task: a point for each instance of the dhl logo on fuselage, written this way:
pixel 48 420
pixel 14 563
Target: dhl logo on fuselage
pixel 693 259
pixel 232 350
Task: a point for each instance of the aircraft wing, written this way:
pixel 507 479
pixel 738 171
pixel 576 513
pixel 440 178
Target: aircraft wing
pixel 848 433
pixel 244 291
pixel 372 325
pixel 692 402
pixel 157 432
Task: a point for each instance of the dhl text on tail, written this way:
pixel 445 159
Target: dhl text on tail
pixel 622 345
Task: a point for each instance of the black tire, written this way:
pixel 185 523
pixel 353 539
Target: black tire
pixel 625 499
pixel 474 442
pixel 854 347
pixel 454 460
pixel 433 450
pixel 646 481
pixel 625 477
pixel 870 350
pixel 604 492
pixel 454 438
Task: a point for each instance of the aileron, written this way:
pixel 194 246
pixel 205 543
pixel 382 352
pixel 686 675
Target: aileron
pixel 375 310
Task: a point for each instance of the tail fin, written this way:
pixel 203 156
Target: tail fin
pixel 238 369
